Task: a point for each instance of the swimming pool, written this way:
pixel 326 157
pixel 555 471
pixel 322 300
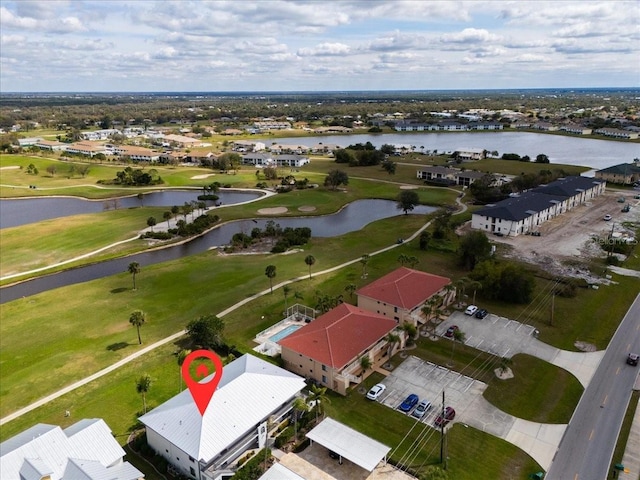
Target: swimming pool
pixel 284 332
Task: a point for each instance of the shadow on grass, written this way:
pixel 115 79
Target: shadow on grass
pixel 119 290
pixel 117 346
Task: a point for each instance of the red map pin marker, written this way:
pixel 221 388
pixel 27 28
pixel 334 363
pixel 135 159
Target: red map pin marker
pixel 202 392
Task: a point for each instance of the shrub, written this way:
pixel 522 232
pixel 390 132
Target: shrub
pixel 252 470
pixel 302 445
pixel 284 437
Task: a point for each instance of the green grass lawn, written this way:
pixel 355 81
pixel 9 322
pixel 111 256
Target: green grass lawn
pixel 539 391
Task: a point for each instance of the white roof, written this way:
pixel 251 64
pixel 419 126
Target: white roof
pixel 47 449
pixel 280 472
pixel 249 392
pixel 348 443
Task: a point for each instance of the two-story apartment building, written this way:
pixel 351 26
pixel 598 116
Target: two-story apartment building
pixel 401 294
pixel 329 348
pixel 526 212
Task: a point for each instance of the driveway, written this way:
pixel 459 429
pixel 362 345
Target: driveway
pixel 464 394
pixel 504 338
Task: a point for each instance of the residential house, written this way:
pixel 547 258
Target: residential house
pixel 269 160
pixel 545 126
pixel 28 142
pixel 528 211
pixel 182 141
pixel 96 135
pixel 623 173
pixel 86 148
pixel 470 154
pixel 485 126
pixel 136 154
pixel 86 450
pixel 278 148
pixel 324 148
pixel 617 133
pixel 576 129
pixel 52 145
pixel 329 349
pixel 333 129
pixel 401 294
pixel 252 395
pixel 248 146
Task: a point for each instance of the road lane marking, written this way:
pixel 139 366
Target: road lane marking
pixel 590 437
pixel 618 371
pixel 575 477
pixel 605 399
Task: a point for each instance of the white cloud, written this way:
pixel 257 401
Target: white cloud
pixel 325 49
pixel 470 36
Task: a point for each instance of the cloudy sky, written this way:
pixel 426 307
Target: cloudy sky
pixel 301 45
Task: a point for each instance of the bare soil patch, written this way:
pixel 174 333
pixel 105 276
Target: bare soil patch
pixel 273 211
pixel 408 187
pixel 585 347
pixel 503 374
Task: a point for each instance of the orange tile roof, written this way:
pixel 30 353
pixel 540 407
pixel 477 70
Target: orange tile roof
pixel 404 287
pixel 340 335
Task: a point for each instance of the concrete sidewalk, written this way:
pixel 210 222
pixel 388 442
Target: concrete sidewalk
pixel 631 457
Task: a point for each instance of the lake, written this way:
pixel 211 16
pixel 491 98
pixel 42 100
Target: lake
pixel 588 152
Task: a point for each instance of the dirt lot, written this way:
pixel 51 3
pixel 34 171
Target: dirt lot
pixel 571 237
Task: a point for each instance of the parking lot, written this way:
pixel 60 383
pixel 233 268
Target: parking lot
pixel 428 381
pixel 503 337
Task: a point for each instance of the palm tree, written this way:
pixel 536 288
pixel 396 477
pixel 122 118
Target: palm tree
pixel 392 339
pixel 319 396
pixel 167 216
pixel 182 354
pixel 365 363
pixel 403 258
pixel 270 272
pixel 285 291
pixel 142 387
pixel 351 288
pixel 309 260
pixel 137 319
pixel 151 222
pixel 458 336
pixel 134 269
pixel 297 295
pixel 298 409
pixel 462 283
pixel 364 260
pixel 413 261
pixel 475 285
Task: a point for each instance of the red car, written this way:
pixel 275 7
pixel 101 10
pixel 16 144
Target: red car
pixel 449 414
pixel 451 330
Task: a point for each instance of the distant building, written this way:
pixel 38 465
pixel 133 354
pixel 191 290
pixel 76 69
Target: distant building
pixel 252 394
pixel 248 146
pixel 470 154
pixel 86 148
pixel 401 294
pixel 527 211
pixel 28 142
pixel 52 145
pixel 95 135
pixel 446 175
pixel 623 173
pixel 136 154
pixel 270 160
pixel 84 451
pixel 617 133
pixel 576 129
pixel 329 348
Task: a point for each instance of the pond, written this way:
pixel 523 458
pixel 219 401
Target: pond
pixel 351 218
pixel 22 211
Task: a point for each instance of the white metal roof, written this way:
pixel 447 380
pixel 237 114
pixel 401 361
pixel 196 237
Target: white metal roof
pixel 49 449
pixel 250 390
pixel 280 472
pixel 348 443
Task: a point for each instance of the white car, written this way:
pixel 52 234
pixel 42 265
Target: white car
pixel 471 310
pixel 376 391
pixel 607 217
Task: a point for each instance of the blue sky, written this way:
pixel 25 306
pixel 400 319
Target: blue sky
pixel 299 45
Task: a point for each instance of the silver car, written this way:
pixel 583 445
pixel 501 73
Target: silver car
pixel 423 407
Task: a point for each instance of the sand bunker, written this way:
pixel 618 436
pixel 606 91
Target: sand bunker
pixel 273 211
pixel 200 177
pixel 307 208
pixel 408 187
pixel 10 167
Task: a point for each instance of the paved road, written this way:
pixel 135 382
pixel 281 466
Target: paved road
pixel 587 447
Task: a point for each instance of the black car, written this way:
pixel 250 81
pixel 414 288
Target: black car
pixel 481 313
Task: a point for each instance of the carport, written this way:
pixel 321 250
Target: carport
pixel 350 444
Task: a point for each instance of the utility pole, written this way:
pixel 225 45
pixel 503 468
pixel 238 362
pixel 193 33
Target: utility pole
pixel 442 431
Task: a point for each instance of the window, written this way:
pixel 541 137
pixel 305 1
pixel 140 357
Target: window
pixel 193 472
pixel 191 459
pixel 324 379
pixel 395 309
